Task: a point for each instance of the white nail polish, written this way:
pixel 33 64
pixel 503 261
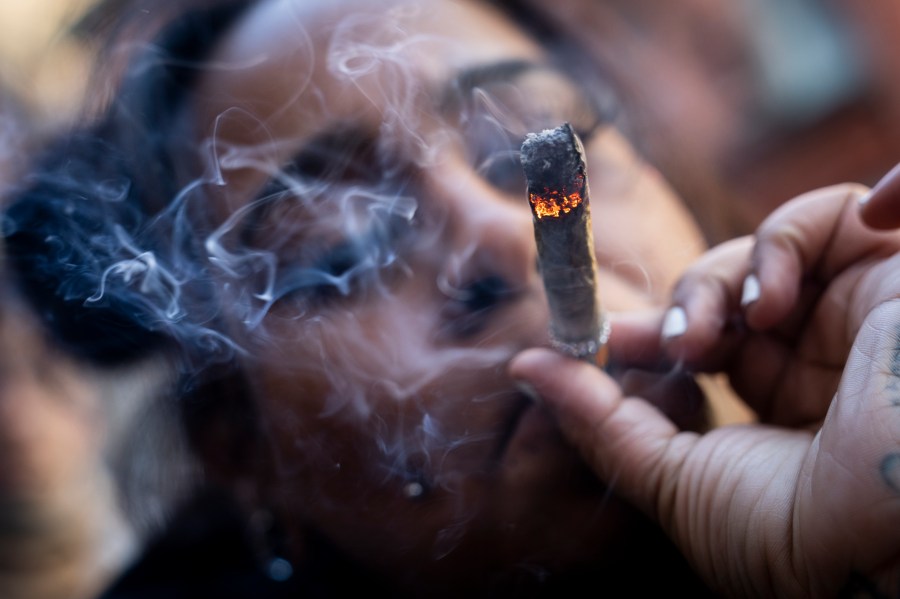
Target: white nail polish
pixel 751 290
pixel 675 323
pixel 864 198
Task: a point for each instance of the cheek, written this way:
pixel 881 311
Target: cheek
pixel 644 234
pixel 352 347
pixel 384 389
pixel 624 288
pixel 339 366
pixel 376 362
pixel 346 438
pixel 645 238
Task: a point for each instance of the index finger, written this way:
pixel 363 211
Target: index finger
pixel 813 237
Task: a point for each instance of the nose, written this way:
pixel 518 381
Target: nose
pixel 488 236
pixel 487 233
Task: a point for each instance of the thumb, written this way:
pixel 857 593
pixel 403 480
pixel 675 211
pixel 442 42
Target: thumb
pixel 630 444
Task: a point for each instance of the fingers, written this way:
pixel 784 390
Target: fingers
pixel 634 339
pixel 815 236
pixel 705 303
pixel 628 442
pixel 880 209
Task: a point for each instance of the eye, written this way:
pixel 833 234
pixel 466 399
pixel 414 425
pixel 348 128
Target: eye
pixel 346 269
pixel 338 270
pixel 469 310
pixel 495 105
pixel 484 293
pixel 335 219
pixel 345 154
pixel 340 259
pixel 494 153
pixel 503 170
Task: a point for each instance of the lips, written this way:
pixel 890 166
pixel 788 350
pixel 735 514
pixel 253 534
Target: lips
pixel 533 452
pixel 532 429
pixel 520 405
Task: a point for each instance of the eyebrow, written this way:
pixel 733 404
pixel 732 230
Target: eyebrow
pixel 471 78
pixel 506 71
pixel 345 139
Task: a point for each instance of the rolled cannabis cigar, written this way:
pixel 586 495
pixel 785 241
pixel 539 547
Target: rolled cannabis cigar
pixel 554 165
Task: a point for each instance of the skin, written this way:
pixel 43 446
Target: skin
pixel 391 424
pixel 805 502
pixel 61 533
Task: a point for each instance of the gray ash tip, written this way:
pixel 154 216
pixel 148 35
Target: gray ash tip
pixel 552 155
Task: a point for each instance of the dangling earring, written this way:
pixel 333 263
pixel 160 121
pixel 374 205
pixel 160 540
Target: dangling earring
pixel 270 546
pixel 416 484
pixel 414 490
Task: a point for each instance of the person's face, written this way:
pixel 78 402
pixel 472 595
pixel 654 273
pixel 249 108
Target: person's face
pixel 376 251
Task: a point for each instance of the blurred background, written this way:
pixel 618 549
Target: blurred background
pixel 43 73
pixel 41 63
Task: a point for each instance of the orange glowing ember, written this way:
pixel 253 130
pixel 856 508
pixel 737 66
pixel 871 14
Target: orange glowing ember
pixel 554 202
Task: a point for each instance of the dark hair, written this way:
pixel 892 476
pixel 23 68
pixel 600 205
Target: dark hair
pixel 97 243
pixel 88 235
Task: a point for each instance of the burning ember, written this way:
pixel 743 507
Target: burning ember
pixel 552 202
pixel 554 165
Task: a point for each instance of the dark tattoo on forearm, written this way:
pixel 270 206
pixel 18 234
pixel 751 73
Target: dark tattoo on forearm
pixel 890 471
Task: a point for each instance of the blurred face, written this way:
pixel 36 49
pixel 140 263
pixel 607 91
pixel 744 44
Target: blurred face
pixel 376 252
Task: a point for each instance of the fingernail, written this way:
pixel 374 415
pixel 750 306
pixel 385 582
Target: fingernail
pixel 864 199
pixel 675 323
pixel 751 290
pixel 530 392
